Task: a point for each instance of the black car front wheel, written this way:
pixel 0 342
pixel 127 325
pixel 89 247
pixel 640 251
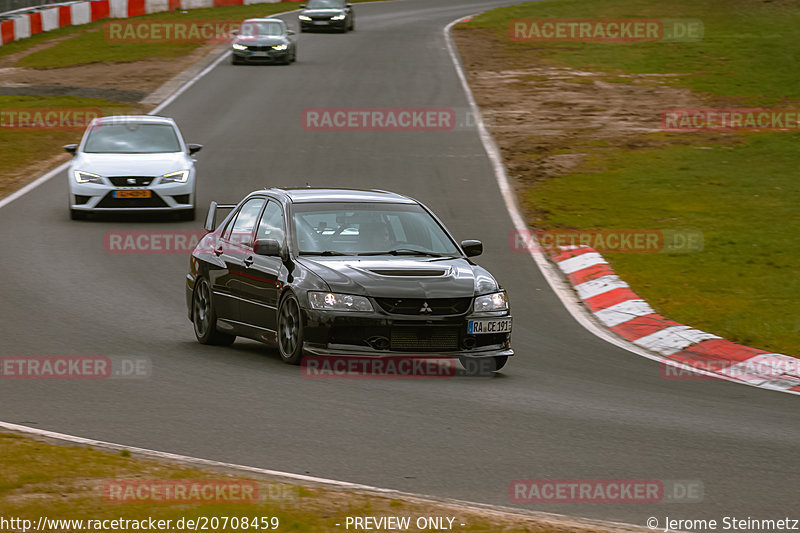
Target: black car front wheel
pixel 290 330
pixel 204 317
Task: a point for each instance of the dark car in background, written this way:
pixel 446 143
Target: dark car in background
pixel 264 40
pixel 332 272
pixel 327 15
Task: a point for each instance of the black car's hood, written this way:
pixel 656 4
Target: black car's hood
pixel 323 11
pixel 261 40
pixel 402 277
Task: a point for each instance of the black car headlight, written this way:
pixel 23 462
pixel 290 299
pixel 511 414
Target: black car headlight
pixel 338 17
pixel 304 17
pixel 329 301
pixel 280 47
pixel 237 46
pixel 497 301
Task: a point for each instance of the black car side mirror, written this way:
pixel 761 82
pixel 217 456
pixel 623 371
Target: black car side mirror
pixel 268 247
pixel 472 248
pixel 194 148
pixel 71 148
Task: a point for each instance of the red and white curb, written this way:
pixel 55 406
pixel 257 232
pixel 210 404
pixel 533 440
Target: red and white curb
pixel 618 308
pixel 22 24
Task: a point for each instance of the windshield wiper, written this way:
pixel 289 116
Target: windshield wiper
pixel 404 251
pixel 326 252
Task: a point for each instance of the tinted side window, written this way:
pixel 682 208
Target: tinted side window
pixel 271 225
pixel 241 230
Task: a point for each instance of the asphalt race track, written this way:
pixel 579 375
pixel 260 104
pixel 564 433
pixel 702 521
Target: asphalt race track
pixel 568 406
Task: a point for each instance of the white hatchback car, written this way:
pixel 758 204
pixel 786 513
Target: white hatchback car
pixel 132 163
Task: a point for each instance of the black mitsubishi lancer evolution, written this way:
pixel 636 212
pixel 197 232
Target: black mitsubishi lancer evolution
pixel 335 272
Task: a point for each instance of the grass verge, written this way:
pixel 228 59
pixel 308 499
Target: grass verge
pixel 740 189
pixel 39 479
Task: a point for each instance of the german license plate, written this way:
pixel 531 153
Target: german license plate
pixel 132 194
pixel 321 23
pixel 260 54
pixel 489 325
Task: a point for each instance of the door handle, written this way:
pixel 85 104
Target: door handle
pixel 218 251
pixel 249 261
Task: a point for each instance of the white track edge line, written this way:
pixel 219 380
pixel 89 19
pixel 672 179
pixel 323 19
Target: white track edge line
pixel 564 293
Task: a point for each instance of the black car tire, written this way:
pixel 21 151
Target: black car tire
pixel 235 61
pixel 204 317
pixel 290 330
pixel 74 214
pixel 353 25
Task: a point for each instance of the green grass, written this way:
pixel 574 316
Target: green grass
pixel 749 51
pixel 92 46
pixel 742 193
pixel 20 146
pixel 39 479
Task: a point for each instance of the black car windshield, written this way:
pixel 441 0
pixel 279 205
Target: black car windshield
pixel 251 28
pixel 363 228
pixel 324 4
pixel 132 138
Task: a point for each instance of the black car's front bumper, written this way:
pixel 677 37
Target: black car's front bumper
pixel 306 25
pixel 375 334
pixel 261 56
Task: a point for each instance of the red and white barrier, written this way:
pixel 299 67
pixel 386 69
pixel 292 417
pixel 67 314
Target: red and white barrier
pixel 47 18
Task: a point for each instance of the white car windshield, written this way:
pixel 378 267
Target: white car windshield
pixel 131 138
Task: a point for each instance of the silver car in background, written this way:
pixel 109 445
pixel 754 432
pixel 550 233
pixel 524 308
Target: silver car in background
pixel 132 163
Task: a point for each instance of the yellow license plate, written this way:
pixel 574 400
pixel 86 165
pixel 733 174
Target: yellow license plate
pixel 131 194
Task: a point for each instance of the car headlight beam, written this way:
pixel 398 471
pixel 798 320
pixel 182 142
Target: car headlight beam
pixel 497 301
pixel 280 47
pixel 181 176
pixel 338 17
pixel 237 46
pixel 86 177
pixel 304 17
pixel 330 301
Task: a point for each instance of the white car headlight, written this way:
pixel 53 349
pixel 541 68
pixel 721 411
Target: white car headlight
pixel 497 301
pixel 237 46
pixel 328 301
pixel 338 17
pixel 86 177
pixel 304 17
pixel 180 176
pixel 280 47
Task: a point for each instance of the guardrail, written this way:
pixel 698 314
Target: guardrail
pixel 15 5
pixel 23 23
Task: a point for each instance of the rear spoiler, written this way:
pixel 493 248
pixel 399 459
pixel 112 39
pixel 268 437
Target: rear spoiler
pixel 211 218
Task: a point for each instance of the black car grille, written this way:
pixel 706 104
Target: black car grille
pixel 414 306
pixel 109 201
pixel 322 17
pixel 424 339
pixel 138 181
pixel 259 48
